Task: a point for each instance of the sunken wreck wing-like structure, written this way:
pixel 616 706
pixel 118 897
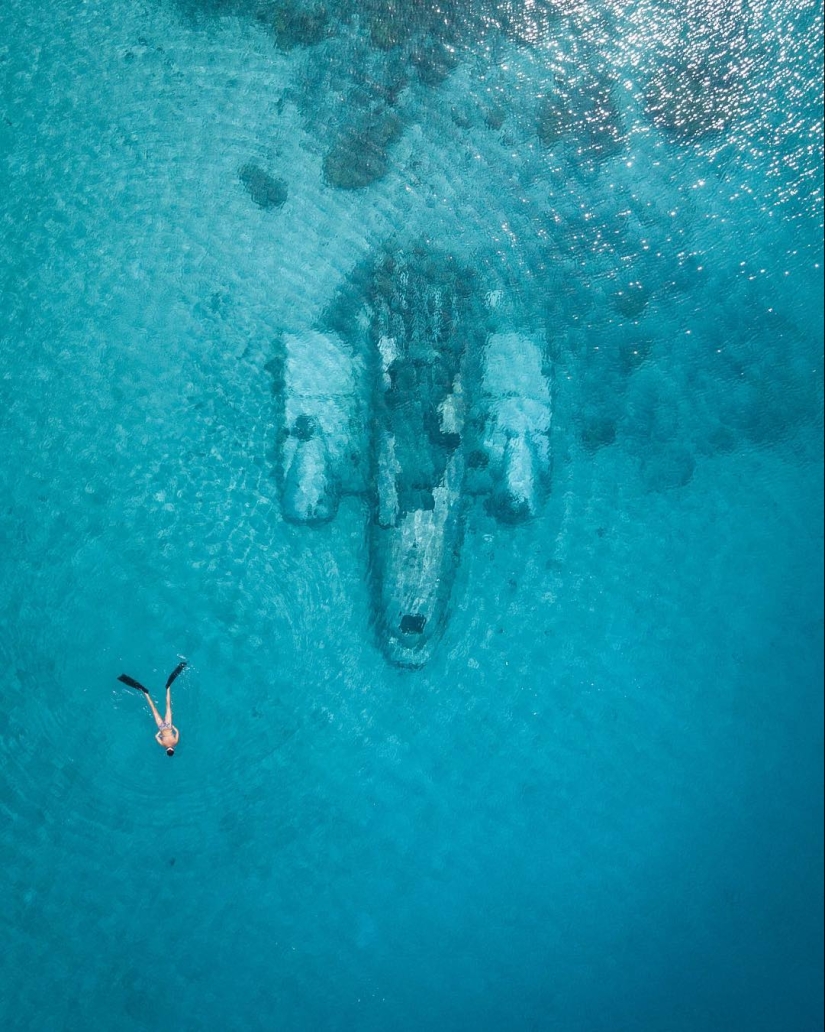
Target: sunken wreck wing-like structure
pixel 414 404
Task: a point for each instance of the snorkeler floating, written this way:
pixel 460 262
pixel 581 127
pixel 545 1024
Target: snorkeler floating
pixel 167 734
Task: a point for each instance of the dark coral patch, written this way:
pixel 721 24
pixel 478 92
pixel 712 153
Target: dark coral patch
pixel 631 299
pixel 597 431
pixel 298 24
pixel 584 113
pixel 360 156
pixel 692 100
pixel 265 190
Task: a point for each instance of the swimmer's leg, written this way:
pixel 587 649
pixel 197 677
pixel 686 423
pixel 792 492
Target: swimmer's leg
pixel 136 684
pixel 154 709
pixel 169 681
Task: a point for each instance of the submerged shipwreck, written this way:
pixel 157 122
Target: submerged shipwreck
pixel 415 406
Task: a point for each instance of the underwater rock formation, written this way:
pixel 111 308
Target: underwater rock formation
pixel 631 299
pixel 433 60
pixel 696 87
pixel 389 25
pixel 691 100
pixel 584 113
pixel 361 154
pixel 296 23
pixel 265 190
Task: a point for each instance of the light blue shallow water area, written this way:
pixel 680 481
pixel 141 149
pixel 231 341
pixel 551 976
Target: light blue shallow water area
pixel 539 285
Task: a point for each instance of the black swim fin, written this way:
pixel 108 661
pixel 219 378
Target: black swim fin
pixel 133 683
pixel 175 673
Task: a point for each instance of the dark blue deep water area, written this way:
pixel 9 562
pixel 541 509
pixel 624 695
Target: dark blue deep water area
pixel 443 380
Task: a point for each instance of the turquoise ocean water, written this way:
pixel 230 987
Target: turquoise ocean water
pixel 598 807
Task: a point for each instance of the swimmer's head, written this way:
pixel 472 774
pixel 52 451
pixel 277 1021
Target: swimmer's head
pixel 170 752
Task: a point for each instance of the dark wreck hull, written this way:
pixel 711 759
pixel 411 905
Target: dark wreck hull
pixel 420 342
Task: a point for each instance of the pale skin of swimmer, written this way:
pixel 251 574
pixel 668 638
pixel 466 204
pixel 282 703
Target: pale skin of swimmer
pixel 167 734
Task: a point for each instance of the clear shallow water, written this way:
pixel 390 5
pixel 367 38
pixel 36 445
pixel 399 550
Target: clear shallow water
pixel 599 805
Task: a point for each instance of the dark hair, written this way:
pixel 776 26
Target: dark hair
pixel 170 752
